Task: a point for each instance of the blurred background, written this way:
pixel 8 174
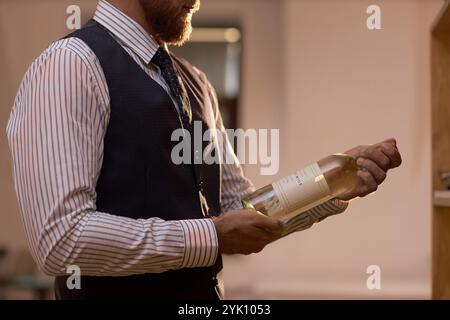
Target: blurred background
pixel 314 70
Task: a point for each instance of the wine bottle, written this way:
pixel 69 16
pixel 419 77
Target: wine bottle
pixel 326 179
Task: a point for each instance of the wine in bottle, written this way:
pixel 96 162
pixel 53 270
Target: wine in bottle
pixel 326 179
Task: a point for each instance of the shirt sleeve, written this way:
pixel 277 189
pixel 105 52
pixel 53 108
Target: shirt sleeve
pixel 306 219
pixel 55 131
pixel 236 186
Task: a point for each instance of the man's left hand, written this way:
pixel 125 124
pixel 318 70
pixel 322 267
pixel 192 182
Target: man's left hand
pixel 373 161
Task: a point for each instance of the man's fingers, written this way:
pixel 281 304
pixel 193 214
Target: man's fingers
pixel 246 231
pixel 369 183
pixel 392 153
pixel 269 224
pixel 258 238
pixel 391 141
pixel 375 161
pixel 376 155
pixel 378 173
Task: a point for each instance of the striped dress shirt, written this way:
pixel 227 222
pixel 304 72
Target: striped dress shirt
pixel 55 132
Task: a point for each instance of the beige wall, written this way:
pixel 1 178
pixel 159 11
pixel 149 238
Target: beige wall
pixel 312 69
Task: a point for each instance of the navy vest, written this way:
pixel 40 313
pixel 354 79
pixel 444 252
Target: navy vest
pixel 138 178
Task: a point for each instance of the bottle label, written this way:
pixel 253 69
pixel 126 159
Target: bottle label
pixel 302 188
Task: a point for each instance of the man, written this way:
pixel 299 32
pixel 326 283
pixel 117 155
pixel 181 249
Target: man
pixel 90 135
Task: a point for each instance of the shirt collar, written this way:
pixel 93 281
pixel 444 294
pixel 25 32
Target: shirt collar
pixel 128 31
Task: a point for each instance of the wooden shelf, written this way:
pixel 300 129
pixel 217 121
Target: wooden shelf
pixel 440 70
pixel 441 198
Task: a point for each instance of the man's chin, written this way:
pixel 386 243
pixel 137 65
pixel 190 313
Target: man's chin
pixel 178 42
pixel 179 39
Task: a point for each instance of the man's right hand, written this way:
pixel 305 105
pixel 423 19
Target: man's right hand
pixel 246 231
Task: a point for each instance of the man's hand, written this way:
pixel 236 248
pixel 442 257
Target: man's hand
pixel 246 231
pixel 374 161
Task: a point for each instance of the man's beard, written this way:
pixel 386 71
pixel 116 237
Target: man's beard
pixel 170 24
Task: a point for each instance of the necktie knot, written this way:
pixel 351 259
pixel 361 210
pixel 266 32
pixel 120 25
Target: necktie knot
pixel 162 58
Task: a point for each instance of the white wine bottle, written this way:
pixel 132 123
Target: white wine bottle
pixel 326 179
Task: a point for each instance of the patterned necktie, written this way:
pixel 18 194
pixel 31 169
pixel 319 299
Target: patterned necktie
pixel 163 60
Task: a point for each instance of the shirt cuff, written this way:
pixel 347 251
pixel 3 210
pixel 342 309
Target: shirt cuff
pixel 306 219
pixel 201 243
pixel 326 209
